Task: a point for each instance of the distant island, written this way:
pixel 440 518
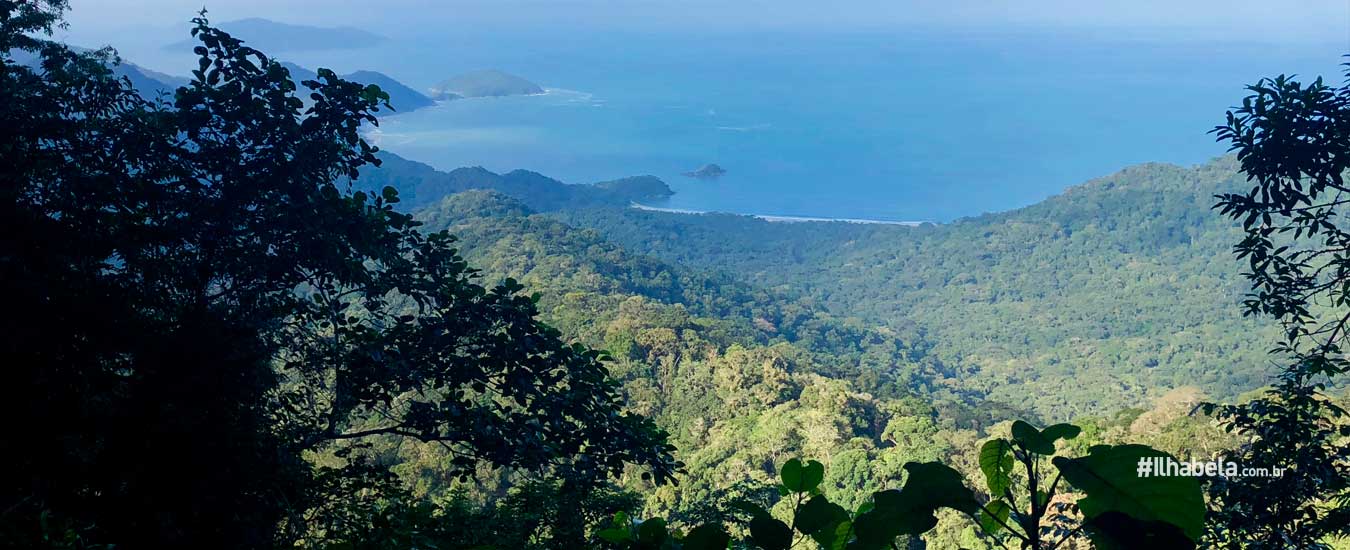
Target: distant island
pixel 402 97
pixel 707 172
pixel 274 36
pixel 484 83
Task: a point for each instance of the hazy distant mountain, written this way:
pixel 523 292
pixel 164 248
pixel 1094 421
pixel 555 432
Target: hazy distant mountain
pixel 149 83
pixel 419 185
pixel 272 36
pixel 402 97
pixel 299 74
pixel 485 83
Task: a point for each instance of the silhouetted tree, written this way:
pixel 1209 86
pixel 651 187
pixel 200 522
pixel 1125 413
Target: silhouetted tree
pixel 1294 145
pixel 198 301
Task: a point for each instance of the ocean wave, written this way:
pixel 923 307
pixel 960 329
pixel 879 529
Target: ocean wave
pixel 495 135
pixel 779 219
pixel 381 138
pixel 749 128
pixel 556 93
pixel 571 97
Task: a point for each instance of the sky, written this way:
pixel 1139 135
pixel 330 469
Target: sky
pixel 1281 20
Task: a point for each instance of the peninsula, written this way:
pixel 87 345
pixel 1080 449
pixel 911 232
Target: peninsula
pixel 484 83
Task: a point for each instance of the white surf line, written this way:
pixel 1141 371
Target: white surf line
pixel 780 219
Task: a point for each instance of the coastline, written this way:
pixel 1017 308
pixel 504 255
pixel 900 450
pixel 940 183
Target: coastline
pixel 780 219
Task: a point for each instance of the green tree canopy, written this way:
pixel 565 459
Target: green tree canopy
pixel 203 302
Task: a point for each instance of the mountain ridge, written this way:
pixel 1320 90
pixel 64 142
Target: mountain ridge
pixel 148 83
pixel 275 36
pixel 402 97
pixel 419 184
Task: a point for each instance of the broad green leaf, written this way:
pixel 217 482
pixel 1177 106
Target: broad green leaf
pixel 996 461
pixel 938 485
pixel 835 538
pixel 1061 431
pixel 812 475
pixel 994 516
pixel 802 478
pixel 1117 531
pixel 615 535
pixel 819 514
pixel 770 534
pixel 910 511
pixel 1110 480
pixel 894 514
pixel 618 531
pixel 652 532
pixel 707 537
pixel 751 508
pixel 791 474
pixel 1031 439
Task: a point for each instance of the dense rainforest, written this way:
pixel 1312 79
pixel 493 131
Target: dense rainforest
pixel 1126 284
pixel 240 325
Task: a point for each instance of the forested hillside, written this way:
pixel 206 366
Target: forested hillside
pixel 873 346
pixel 742 376
pixel 582 281
pixel 1120 288
pixel 239 324
pixel 1111 305
pixel 1124 285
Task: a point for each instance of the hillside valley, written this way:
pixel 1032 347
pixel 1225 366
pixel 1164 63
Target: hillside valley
pixel 869 344
pixel 276 306
pixel 1122 288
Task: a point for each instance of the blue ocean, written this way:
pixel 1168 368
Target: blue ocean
pixel 901 126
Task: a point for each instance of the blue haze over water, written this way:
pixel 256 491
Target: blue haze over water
pixel 923 126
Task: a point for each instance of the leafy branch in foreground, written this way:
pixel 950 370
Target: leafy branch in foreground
pixel 1117 508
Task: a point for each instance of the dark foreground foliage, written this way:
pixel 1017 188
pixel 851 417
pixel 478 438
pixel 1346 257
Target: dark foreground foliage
pixel 1108 504
pixel 200 304
pixel 1293 141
